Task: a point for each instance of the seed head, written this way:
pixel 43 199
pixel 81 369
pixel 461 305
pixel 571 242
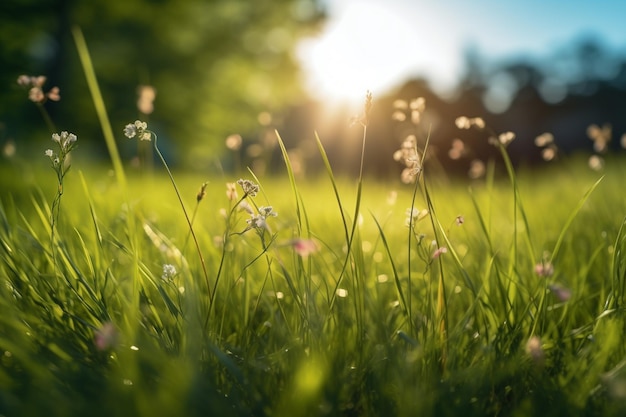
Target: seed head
pixel 201 192
pixel 249 188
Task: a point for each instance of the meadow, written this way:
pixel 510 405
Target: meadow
pixel 165 294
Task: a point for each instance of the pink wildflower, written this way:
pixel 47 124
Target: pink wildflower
pixel 105 337
pixel 439 251
pixel 304 247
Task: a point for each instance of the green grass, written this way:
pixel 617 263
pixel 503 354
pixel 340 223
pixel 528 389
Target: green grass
pixel 370 324
pixel 95 321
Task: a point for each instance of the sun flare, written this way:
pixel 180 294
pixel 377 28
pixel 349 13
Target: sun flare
pixel 367 47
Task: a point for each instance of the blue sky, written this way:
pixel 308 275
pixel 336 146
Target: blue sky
pixel 375 44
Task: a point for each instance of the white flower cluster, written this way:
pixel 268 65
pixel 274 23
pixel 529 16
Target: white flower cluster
pixel 248 187
pixel 138 129
pixel 259 221
pixel 66 142
pixel 169 272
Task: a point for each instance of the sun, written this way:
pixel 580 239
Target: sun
pixel 366 47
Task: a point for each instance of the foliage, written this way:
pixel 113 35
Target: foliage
pixel 215 64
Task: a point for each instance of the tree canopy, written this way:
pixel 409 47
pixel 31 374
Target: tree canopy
pixel 214 64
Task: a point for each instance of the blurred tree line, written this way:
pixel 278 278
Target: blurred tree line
pixel 576 93
pixel 224 68
pixel 215 65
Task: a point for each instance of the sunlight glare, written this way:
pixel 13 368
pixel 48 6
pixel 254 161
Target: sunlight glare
pixel 367 47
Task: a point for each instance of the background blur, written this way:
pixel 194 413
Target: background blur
pixel 226 73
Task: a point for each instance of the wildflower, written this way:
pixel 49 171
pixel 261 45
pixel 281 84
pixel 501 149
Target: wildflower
pixel 601 136
pixel 256 221
pixel 478 122
pixel 24 80
pixel 398 116
pixel 231 191
pixel 544 269
pixel 35 86
pixel 36 95
pixel 267 211
pixel 53 94
pixel 464 122
pixel 560 292
pixel 244 206
pixel 596 162
pixel 417 107
pixel 544 139
pixel 341 292
pixel 534 350
pixel 477 169
pixel 400 104
pixel 439 251
pixel 505 138
pixel 457 149
pixel 9 149
pixel 549 153
pixel 145 98
pixel 413 215
pixel 249 188
pixel 259 221
pixel 65 140
pixel 233 142
pixel 169 272
pixel 138 129
pixel 105 337
pixel 418 104
pixel 410 156
pixel 304 247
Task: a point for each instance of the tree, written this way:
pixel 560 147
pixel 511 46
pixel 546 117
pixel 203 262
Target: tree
pixel 215 64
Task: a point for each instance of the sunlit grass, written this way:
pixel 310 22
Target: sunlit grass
pixel 286 337
pixel 285 295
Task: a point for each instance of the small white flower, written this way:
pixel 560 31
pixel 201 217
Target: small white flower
pixel 506 138
pixel 141 125
pixel 267 212
pixel 413 215
pixel 49 153
pixel 169 272
pixel 256 221
pixel 130 131
pixel 462 122
pixel 68 140
pixel 139 129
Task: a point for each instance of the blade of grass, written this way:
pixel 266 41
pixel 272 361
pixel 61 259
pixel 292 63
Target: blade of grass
pixel 98 101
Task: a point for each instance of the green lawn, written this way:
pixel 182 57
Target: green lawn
pixel 110 308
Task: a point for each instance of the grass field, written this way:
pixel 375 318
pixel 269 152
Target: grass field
pixel 166 294
pixel 506 298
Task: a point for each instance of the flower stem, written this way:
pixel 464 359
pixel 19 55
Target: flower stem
pixel 189 223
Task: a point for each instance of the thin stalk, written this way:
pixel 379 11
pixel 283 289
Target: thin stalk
pixel 182 205
pixel 46 117
pixel 98 101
